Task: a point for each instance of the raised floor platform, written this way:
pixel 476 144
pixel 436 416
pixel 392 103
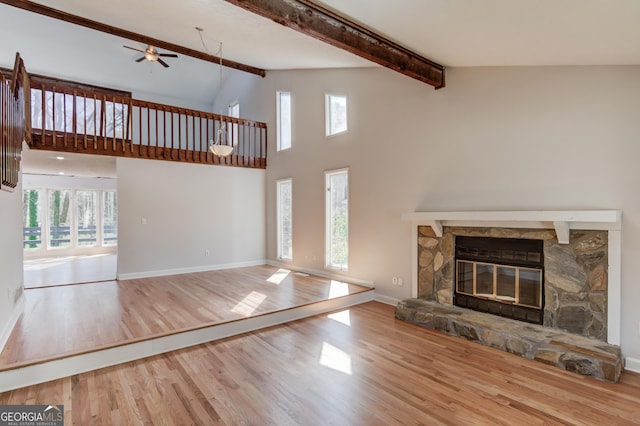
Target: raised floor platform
pixel 567 351
pixel 73 329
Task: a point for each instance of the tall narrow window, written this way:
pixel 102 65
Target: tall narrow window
pixel 59 218
pixel 32 220
pixel 233 129
pixel 337 219
pixel 109 219
pixel 335 114
pixel 284 120
pixel 285 219
pixel 87 214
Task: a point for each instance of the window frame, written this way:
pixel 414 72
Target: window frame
pixel 328 114
pixel 279 218
pixel 279 112
pixel 329 213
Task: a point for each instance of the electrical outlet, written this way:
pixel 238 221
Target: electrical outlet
pixel 400 281
pixel 206 252
pixel 394 280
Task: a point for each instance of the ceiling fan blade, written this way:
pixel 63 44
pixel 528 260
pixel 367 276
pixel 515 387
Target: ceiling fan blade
pixel 140 59
pixel 163 63
pixel 133 48
pixel 168 55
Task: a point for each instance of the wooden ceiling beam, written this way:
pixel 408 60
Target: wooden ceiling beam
pixel 130 35
pixel 329 27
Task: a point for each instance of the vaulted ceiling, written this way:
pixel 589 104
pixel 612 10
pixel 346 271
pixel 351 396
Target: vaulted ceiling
pixel 455 33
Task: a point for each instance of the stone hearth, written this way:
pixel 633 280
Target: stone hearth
pixel 567 351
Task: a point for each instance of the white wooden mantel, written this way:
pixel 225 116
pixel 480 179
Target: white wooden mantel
pixel 562 221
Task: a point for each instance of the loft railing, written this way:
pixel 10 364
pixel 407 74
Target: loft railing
pixel 67 118
pixel 14 125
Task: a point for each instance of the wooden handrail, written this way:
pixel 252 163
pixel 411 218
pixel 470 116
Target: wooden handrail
pixel 14 122
pixel 112 124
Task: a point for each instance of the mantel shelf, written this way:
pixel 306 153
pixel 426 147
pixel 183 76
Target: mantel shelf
pixel 560 220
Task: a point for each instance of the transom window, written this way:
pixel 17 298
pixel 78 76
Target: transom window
pixel 336 114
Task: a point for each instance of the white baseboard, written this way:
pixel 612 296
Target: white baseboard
pixel 632 364
pixel 76 364
pixel 321 273
pixel 189 270
pixel 386 299
pixel 11 322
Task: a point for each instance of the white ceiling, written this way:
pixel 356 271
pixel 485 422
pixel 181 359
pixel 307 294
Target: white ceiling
pixel 455 33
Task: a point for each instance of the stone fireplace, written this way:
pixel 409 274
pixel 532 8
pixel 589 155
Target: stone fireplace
pixel 557 270
pixel 575 278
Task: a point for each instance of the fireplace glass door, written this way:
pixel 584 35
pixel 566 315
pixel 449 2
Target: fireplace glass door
pixel 507 284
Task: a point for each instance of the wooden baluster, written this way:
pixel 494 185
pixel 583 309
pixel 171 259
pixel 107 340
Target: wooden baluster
pixel 103 122
pixel 172 134
pixel 130 124
pixel 64 118
pixel 155 145
pixel 113 143
pixel 44 114
pixel 123 124
pixel 207 156
pixel 179 135
pixel 84 100
pixel 164 139
pixel 75 121
pixel 140 130
pixel 95 122
pixel 53 114
pixel 148 109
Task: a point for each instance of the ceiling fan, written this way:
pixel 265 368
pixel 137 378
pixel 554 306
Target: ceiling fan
pixel 151 54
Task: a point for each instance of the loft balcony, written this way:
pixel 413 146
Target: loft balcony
pixel 81 120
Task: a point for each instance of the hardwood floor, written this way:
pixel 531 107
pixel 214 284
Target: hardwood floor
pixel 359 366
pixel 61 321
pixel 56 271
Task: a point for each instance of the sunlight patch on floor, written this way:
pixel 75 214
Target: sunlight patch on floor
pixel 279 276
pixel 335 358
pixel 338 289
pixel 343 317
pixel 249 304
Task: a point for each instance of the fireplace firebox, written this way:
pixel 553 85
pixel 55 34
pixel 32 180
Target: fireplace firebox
pixel 500 276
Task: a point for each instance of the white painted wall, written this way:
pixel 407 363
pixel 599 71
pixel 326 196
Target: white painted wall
pixel 189 208
pixel 11 275
pixel 521 138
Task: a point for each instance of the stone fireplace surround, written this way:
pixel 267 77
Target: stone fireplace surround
pixel 582 300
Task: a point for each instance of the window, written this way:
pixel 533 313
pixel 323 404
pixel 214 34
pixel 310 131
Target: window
pixel 284 120
pixel 336 114
pixel 59 218
pixel 109 218
pixel 234 111
pixel 285 216
pixel 87 212
pixel 337 219
pixel 56 219
pixel 32 220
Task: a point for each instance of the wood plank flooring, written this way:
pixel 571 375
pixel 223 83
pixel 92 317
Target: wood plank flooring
pixel 55 271
pixel 360 366
pixel 61 321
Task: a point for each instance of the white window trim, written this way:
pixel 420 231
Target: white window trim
pixel 327 114
pixel 327 215
pixel 279 221
pixel 278 121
